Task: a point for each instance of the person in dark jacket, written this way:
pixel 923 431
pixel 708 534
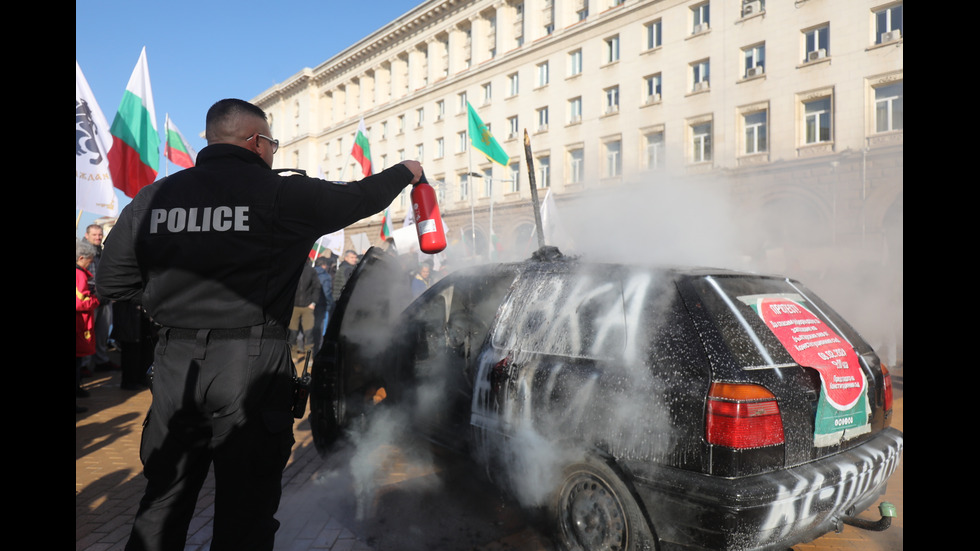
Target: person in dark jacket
pixel 134 334
pixel 301 324
pixel 324 306
pixel 346 268
pixel 213 254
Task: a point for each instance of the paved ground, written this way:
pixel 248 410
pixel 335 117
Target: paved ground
pixel 414 506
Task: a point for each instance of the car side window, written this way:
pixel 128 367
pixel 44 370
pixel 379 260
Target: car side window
pixel 578 315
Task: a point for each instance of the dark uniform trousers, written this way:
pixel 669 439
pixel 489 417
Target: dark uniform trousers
pixel 221 397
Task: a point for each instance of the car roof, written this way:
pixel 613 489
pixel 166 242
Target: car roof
pixel 569 263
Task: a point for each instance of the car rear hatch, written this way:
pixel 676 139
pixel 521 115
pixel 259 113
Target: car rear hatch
pixel 782 360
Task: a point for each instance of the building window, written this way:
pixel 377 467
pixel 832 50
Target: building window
pixel 701 142
pixel 756 132
pixel 462 142
pixel 419 153
pixel 755 60
pixel 512 128
pixel 440 189
pixel 651 88
pixel 576 165
pixel 519 24
pixel 575 63
pixel 653 37
pixel 487 182
pixel 582 13
pixel 612 100
pixel 487 93
pixel 543 171
pixel 575 110
pixel 384 130
pixel 461 97
pixel 700 73
pixel 515 176
pixel 440 148
pixel 464 186
pixel 514 84
pixel 888 24
pixel 492 35
pixel 440 110
pixel 817 119
pixel 612 49
pixel 816 43
pixel 654 149
pixel 419 117
pixel 401 124
pixel 542 119
pixel 889 107
pixel 614 158
pixel 753 7
pixel 701 18
pixel 543 74
pixel 549 17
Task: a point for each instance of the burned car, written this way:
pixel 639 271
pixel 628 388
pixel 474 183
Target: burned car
pixel 639 407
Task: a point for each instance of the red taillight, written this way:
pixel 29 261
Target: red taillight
pixel 888 387
pixel 743 416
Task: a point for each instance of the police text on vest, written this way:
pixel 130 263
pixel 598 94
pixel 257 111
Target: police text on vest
pixel 195 219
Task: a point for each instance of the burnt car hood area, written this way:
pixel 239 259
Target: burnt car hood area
pixel 632 407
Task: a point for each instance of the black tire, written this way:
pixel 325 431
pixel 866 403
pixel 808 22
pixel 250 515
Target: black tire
pixel 593 510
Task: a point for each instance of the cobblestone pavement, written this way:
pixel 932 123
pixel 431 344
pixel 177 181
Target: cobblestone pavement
pixel 415 506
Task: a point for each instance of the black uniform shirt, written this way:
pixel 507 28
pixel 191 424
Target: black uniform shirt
pixel 222 244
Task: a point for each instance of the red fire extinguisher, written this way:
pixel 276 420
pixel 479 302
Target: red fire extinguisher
pixel 428 222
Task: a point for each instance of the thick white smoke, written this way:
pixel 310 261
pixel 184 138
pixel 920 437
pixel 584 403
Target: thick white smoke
pixel 664 221
pixel 700 221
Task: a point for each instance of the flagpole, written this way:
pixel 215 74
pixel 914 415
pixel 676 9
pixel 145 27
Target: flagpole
pixel 317 247
pixel 166 141
pixel 469 181
pixel 490 247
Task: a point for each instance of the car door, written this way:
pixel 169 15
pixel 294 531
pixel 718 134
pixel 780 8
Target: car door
pixel 352 370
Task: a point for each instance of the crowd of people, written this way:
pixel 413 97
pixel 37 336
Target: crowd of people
pixel 102 327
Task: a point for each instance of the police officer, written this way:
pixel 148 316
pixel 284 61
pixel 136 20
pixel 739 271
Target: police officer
pixel 214 253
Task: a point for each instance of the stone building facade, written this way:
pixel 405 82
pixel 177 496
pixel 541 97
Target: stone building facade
pixel 789 111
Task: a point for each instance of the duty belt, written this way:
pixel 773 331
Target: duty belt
pixel 253 334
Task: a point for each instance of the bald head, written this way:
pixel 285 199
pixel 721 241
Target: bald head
pixel 233 120
pixel 237 122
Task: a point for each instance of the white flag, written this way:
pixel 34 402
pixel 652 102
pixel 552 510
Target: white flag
pixel 333 241
pixel 93 184
pixel 555 233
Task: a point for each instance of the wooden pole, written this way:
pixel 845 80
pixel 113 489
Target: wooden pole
pixel 534 189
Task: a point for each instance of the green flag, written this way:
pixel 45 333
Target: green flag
pixel 481 139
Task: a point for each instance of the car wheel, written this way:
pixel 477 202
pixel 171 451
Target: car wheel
pixel 593 510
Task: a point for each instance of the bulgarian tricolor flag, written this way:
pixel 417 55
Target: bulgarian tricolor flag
pixel 362 151
pixel 177 149
pixel 386 226
pixel 135 154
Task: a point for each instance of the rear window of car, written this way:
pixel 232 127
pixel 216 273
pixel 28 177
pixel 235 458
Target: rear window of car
pixel 733 304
